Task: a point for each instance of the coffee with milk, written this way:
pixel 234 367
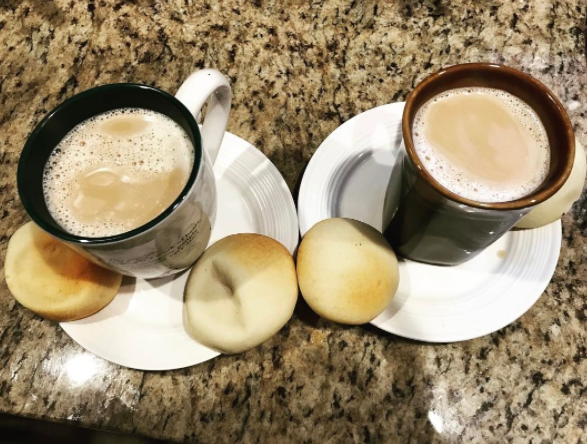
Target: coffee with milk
pixel 117 171
pixel 482 144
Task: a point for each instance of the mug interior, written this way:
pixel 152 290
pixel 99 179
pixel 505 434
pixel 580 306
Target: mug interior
pixel 53 128
pixel 549 109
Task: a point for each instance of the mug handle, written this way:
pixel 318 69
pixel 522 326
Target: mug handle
pixel 211 86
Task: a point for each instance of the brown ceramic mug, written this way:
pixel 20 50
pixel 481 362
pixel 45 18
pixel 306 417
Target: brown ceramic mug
pixel 436 226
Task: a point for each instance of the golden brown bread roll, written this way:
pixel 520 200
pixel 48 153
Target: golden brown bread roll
pixel 552 209
pixel 54 281
pixel 347 271
pixel 241 292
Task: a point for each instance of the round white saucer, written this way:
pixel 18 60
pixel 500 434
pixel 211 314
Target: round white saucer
pixel 348 177
pixel 142 327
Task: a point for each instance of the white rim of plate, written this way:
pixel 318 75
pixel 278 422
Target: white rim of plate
pixel 142 328
pixel 347 177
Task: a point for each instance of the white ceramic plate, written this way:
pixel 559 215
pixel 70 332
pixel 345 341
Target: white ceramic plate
pixel 348 177
pixel 142 327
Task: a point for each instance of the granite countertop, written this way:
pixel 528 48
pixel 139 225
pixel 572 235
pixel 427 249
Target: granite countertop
pixel 299 69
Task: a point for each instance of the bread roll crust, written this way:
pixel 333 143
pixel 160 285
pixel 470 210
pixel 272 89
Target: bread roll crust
pixel 54 281
pixel 553 208
pixel 347 271
pixel 241 292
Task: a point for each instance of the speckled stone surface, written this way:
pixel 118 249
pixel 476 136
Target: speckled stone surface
pixel 299 69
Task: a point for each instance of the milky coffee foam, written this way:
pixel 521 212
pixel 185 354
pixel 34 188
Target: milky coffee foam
pixel 117 171
pixel 483 144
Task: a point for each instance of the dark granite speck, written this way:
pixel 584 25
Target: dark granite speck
pixel 299 69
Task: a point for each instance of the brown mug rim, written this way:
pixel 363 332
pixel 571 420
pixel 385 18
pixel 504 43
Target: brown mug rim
pixel 541 194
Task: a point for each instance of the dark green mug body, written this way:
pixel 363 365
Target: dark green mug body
pixel 166 245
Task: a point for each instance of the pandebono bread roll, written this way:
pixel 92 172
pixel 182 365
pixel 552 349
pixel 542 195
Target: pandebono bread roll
pixel 552 209
pixel 347 271
pixel 241 292
pixel 53 280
